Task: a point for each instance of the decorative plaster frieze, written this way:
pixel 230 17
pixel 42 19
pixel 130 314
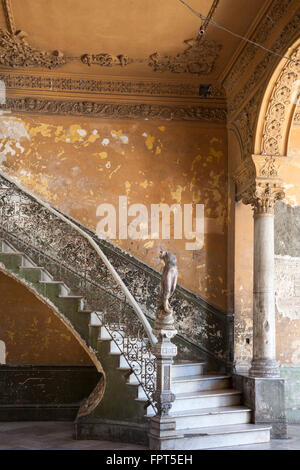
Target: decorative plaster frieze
pixel 116 110
pixel 105 86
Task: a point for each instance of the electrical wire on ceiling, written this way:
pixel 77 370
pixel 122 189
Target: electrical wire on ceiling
pixel 208 20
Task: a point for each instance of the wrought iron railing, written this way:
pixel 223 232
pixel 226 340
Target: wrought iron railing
pixel 70 255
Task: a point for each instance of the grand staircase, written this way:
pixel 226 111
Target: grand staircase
pixel 208 412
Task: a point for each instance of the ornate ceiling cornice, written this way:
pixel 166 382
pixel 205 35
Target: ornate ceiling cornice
pixel 108 86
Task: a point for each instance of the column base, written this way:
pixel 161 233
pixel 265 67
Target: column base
pixel 266 398
pixel 264 368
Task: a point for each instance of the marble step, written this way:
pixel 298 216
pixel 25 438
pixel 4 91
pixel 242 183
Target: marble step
pixel 211 437
pixel 206 399
pixel 206 417
pixel 199 383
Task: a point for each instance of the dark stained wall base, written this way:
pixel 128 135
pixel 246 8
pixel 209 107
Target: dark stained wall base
pixel 117 431
pixel 44 393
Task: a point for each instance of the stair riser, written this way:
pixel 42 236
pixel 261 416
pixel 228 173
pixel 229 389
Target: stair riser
pixel 187 370
pixel 31 275
pixel 222 419
pixel 211 442
pixel 206 402
pixel 200 385
pixel 11 261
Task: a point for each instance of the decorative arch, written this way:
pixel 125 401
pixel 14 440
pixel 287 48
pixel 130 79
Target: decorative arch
pixel 278 106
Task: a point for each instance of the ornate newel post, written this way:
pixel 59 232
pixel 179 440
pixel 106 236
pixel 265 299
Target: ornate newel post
pixel 162 424
pixel 258 184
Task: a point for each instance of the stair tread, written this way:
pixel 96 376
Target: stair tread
pixel 216 430
pixel 190 378
pixel 210 411
pixel 205 393
pixel 51 282
pixel 226 429
pixel 70 296
pixel 32 267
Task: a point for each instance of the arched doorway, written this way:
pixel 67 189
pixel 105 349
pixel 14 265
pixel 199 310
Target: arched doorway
pixel 47 373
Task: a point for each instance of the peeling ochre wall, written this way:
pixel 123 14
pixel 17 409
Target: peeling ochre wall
pixel 287 257
pixel 78 163
pixel 31 332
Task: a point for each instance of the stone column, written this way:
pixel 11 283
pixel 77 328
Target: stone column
pixel 258 184
pixel 264 362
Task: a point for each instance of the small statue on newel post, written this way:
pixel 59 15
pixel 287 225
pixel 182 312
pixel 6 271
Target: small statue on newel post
pixel 164 351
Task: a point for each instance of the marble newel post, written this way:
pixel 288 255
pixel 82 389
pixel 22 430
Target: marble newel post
pixel 163 425
pixel 258 184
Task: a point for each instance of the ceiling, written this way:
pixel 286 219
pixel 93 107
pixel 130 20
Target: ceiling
pixel 128 32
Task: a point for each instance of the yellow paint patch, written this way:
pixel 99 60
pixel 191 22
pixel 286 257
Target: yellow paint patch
pixel 117 133
pixel 92 138
pixel 144 184
pixel 177 194
pixel 43 129
pixel 102 155
pixel 196 159
pixel 216 153
pixel 149 244
pixel 162 128
pixel 149 142
pixel 127 186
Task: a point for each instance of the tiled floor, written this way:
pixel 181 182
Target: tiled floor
pixel 58 435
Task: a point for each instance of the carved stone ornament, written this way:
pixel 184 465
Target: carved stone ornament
pixel 106 60
pixel 198 58
pixel 15 51
pixel 258 183
pixel 297 118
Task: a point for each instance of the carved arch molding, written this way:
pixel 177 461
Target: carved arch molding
pixel 257 179
pixel 272 138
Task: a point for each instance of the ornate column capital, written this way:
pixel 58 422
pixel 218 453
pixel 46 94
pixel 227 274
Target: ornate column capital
pixel 258 183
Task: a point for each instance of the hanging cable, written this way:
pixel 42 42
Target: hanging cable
pixel 210 20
